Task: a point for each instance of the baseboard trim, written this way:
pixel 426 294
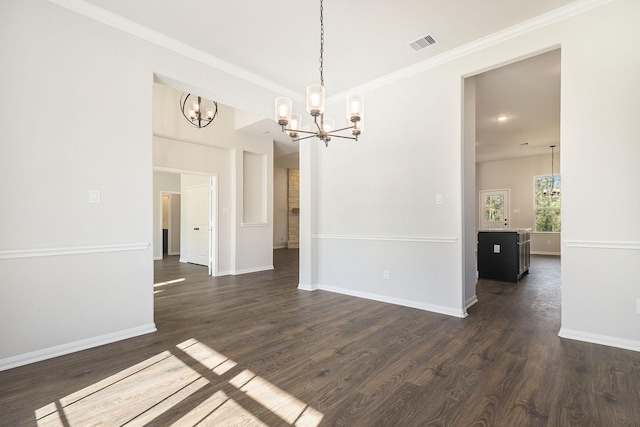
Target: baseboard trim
pixel 545 253
pixel 471 301
pixel 449 311
pixel 599 339
pixel 253 270
pixel 281 246
pixel 306 287
pixel 61 350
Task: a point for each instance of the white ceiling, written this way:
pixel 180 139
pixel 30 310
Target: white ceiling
pixel 527 93
pixel 364 40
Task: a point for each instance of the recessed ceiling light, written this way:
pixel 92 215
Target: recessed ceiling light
pixel 502 118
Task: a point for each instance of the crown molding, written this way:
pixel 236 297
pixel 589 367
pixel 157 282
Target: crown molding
pixel 159 39
pixel 532 24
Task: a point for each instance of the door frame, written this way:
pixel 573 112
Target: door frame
pixel 169 214
pixel 213 225
pixel 213 214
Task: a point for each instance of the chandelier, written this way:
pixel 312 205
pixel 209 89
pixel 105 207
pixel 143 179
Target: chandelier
pixel 200 112
pixel 291 123
pixel 552 190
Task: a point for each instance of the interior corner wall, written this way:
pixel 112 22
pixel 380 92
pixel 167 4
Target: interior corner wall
pixel 254 194
pixel 280 208
pixel 55 297
pixel 162 181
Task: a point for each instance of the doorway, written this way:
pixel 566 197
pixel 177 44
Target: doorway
pixel 192 204
pixel 171 220
pixel 511 115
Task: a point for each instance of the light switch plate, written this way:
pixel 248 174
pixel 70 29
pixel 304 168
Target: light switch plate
pixel 94 196
pixel 496 249
pixel 439 199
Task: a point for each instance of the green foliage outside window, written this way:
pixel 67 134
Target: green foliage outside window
pixel 494 208
pixel 547 204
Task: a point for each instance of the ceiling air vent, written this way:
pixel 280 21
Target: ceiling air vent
pixel 423 42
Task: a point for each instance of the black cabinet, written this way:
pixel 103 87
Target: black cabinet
pixel 504 254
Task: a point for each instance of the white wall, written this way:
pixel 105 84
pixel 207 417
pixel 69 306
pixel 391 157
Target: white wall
pixel 470 272
pixel 175 201
pixel 600 152
pixel 376 206
pixel 81 275
pixel 280 207
pixel 518 176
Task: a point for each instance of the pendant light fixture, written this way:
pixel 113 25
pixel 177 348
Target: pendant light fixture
pixel 291 123
pixel 552 190
pixel 199 112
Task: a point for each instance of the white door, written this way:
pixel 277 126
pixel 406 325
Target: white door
pixel 198 214
pixel 494 209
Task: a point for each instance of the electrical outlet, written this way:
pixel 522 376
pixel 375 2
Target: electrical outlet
pixel 385 274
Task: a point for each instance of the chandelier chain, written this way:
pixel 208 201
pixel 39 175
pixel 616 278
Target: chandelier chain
pixel 323 129
pixel 321 45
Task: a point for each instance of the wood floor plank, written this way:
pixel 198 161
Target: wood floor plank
pixel 254 350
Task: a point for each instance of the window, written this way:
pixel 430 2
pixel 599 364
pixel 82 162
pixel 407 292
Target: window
pixel 547 204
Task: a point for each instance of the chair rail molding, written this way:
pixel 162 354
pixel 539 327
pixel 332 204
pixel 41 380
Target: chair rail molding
pixel 72 250
pixel 598 244
pixel 422 239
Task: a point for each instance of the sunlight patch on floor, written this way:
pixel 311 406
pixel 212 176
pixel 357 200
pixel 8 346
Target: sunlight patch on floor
pixel 169 282
pixel 171 383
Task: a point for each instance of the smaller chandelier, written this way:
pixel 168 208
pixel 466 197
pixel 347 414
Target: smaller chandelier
pixel 199 113
pixel 291 123
pixel 553 191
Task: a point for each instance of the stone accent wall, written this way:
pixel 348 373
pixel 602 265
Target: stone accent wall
pixel 294 208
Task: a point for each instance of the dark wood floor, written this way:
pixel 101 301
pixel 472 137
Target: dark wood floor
pixel 254 350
